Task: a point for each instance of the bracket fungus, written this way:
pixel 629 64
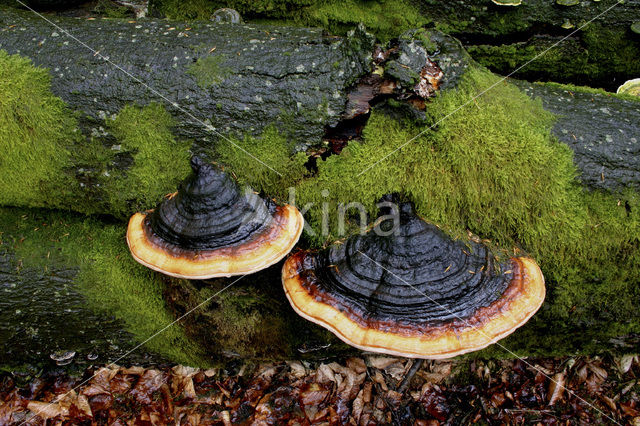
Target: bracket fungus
pixel 414 293
pixel 630 87
pixel 507 2
pixel 210 228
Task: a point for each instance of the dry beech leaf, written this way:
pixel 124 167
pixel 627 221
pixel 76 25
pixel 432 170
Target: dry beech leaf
pixel 610 402
pixel 600 372
pixel 357 365
pixel 211 372
pixel 297 369
pixel 381 362
pixel 438 372
pixel 324 374
pixel 625 362
pixel 556 388
pixel 379 379
pixel 47 410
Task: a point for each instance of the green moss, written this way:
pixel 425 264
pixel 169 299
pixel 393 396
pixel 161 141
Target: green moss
pixel 42 149
pixel 585 89
pixel 36 130
pixel 251 319
pixel 183 10
pixel 209 70
pixel 385 18
pixel 247 319
pixel 109 9
pixel 573 60
pixel 159 161
pixel 108 277
pixel 480 171
pixel 273 149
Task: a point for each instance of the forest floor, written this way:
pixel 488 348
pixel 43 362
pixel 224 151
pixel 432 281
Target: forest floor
pixel 359 391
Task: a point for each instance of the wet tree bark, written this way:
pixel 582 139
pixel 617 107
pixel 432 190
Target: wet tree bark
pixel 237 79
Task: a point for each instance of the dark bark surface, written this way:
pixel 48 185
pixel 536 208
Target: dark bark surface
pixel 44 321
pixel 602 130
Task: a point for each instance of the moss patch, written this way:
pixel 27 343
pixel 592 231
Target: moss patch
pixel 209 70
pixel 109 9
pixel 36 130
pixel 251 319
pixel 42 149
pixel 573 60
pixel 160 161
pixel 385 18
pixel 272 148
pixel 109 278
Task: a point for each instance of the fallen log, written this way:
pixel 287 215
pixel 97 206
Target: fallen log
pixel 241 80
pixel 75 154
pixel 235 78
pixel 602 129
pixel 500 34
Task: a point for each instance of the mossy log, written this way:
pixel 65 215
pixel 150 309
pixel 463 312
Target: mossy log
pixel 236 78
pixel 501 34
pixel 243 80
pixel 491 167
pixel 601 53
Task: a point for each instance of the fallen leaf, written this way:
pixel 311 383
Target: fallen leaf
pixel 556 388
pixel 46 410
pixel 625 362
pixel 381 362
pixel 297 369
pixel 357 365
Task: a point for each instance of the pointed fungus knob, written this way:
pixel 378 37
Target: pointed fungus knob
pixel 210 228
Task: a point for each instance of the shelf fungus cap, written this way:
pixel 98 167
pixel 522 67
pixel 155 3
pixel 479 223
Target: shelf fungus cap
pixel 414 293
pixel 507 2
pixel 630 87
pixel 210 228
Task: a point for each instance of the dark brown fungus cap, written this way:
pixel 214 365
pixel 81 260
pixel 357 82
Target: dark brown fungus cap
pixel 210 228
pixel 415 293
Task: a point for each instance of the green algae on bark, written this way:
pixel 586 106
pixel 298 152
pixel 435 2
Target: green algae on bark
pixel 209 71
pixel 109 279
